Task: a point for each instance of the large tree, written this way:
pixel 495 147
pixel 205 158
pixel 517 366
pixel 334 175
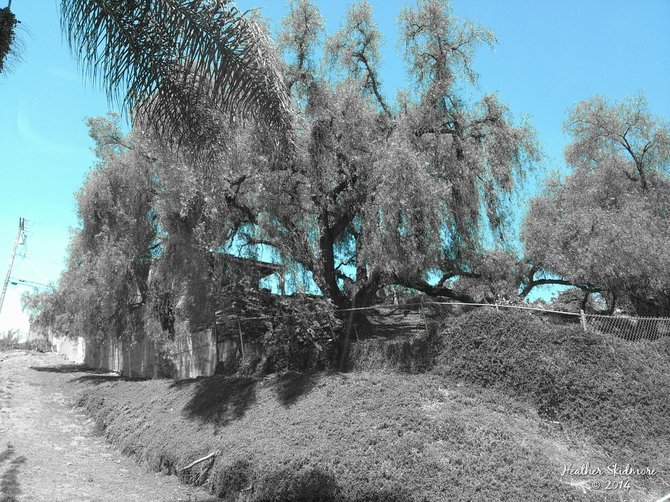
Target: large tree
pixel 384 195
pixel 371 194
pixel 605 227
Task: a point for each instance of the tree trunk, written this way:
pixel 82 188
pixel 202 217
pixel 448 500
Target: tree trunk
pixel 328 276
pixel 357 324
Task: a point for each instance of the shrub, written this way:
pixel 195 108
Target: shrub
pixel 10 340
pixel 40 345
pixel 297 483
pixel 228 480
pixel 617 391
pixel 301 335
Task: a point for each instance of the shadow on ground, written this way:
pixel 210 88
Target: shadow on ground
pixel 10 487
pixel 218 399
pixel 65 368
pixel 310 484
pixel 98 379
pixel 290 386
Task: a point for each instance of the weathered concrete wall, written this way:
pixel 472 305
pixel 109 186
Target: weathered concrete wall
pixel 74 350
pixel 192 355
pixel 195 355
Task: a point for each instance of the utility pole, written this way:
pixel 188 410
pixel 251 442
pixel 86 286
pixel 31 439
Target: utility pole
pixel 20 236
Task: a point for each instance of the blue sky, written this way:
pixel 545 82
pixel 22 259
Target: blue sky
pixel 549 56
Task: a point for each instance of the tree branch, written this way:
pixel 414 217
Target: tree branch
pixel 590 288
pixel 435 291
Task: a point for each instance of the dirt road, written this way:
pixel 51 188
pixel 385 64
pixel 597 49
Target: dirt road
pixel 49 450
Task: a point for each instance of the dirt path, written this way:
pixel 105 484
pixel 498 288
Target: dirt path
pixel 50 452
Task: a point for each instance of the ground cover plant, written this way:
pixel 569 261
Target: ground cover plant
pixel 615 391
pixel 354 437
pixel 509 402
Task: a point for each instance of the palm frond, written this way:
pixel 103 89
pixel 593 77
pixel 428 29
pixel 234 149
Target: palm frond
pixel 175 54
pixel 8 47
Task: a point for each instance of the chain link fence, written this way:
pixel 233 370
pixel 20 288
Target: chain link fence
pixel 633 329
pixel 629 328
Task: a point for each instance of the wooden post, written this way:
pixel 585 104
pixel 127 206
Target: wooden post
pixel 19 241
pixel 239 326
pixel 216 341
pixel 423 314
pixel 582 318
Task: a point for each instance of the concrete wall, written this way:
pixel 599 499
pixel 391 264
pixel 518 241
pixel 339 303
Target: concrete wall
pixel 192 355
pixel 195 355
pixel 74 350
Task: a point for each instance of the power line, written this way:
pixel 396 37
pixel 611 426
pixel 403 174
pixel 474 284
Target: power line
pixel 34 284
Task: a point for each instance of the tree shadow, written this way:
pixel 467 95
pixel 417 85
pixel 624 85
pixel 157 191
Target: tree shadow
pixel 98 379
pixel 8 452
pixel 218 399
pixel 10 488
pixel 292 385
pixel 66 368
pixel 316 484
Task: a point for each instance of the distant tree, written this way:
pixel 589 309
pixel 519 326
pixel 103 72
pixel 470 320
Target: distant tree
pixel 40 309
pixel 105 284
pixel 606 226
pixel 137 191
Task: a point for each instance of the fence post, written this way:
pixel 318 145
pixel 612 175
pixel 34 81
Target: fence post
pixel 216 340
pixel 423 314
pixel 239 327
pixel 582 317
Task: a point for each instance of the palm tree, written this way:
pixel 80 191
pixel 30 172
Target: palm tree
pixel 159 58
pixel 8 24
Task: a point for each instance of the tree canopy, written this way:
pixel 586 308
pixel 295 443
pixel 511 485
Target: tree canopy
pixel 162 59
pixel 372 194
pixel 605 227
pixel 383 194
